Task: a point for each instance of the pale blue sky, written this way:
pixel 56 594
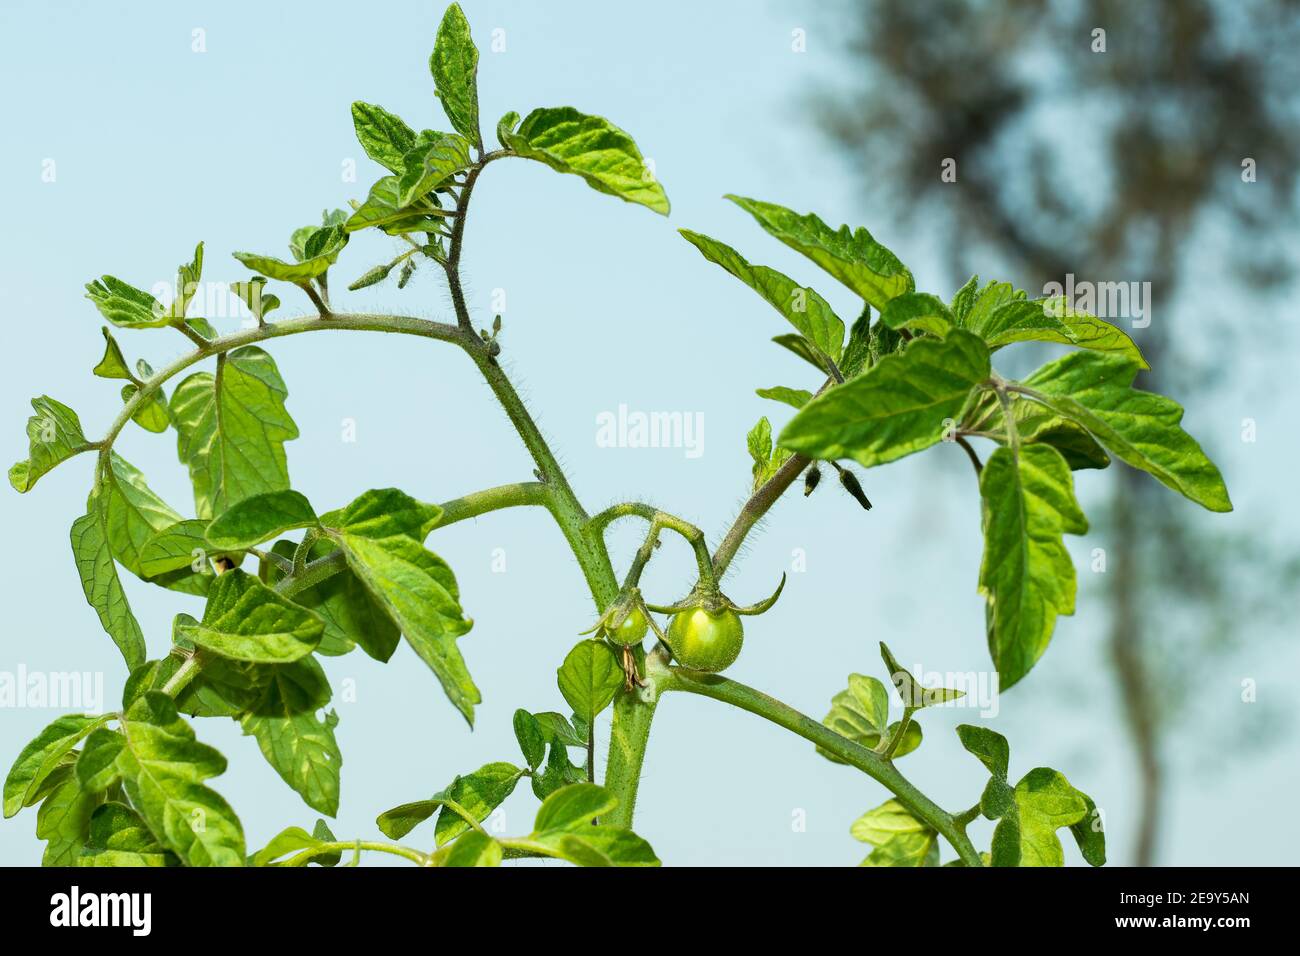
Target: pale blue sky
pixel 157 146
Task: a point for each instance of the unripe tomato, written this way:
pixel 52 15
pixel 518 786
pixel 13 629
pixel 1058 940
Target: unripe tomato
pixel 632 631
pixel 704 641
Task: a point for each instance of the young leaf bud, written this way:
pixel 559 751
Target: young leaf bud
pixel 810 479
pixel 850 483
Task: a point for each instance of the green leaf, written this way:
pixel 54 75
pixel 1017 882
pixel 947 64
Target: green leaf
pixel 299 745
pixel 254 295
pixel 588 146
pixel 188 275
pixel 802 348
pixel 973 306
pixel 43 755
pixel 1029 814
pixel 126 306
pixel 384 512
pixel 479 793
pixel 854 258
pixel 861 713
pixel 1036 424
pixel 163 768
pixel 383 208
pixel 857 351
pixel 259 518
pixel 558 772
pixel 454 65
pixel 64 821
pixel 897 407
pixel 97 763
pixel 1053 320
pixel 472 849
pixel 248 621
pixel 350 614
pixel 914 694
pixel 429 165
pixel 918 312
pixel 383 135
pixel 54 435
pixel 590 677
pixel 557 729
pixel 1044 802
pixel 179 545
pixel 151 414
pixel 531 737
pixel 117 836
pixel 418 591
pixel 573 807
pixel 794 397
pixel 802 307
pixel 767 460
pixel 899 838
pixel 100 583
pixel 113 364
pixel 1140 428
pixel 321 252
pixel 989 746
pixel 1026 572
pixel 232 428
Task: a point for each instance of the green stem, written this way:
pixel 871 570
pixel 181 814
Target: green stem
pixel 494 499
pixel 891 747
pixel 872 764
pixel 406 853
pixel 188 670
pixel 661 519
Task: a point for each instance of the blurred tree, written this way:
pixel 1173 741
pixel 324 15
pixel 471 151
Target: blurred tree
pixel 1096 138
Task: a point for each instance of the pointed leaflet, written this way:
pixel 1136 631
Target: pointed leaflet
pixel 383 512
pixel 767 460
pixel 113 364
pixel 477 793
pixel 588 146
pixel 972 306
pixel 854 258
pixel 898 406
pixel 383 208
pixel 54 435
pixel 454 65
pixel 898 837
pixel 248 621
pixel 383 135
pixel 135 516
pixel 918 312
pixel 913 693
pixel 351 615
pixel 43 755
pixel 1026 573
pixel 418 590
pixel 232 428
pixel 126 306
pixel 1140 428
pixel 178 545
pixel 163 768
pixel 299 745
pixel 590 677
pixel 429 165
pixel 99 580
pixel 1053 320
pixel 794 397
pixel 249 522
pixel 802 307
pixel 305 847
pixel 319 252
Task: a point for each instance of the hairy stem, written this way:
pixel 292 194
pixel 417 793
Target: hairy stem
pixel 754 509
pixel 874 765
pixel 494 499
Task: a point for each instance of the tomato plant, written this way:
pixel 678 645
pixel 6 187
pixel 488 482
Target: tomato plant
pixel 284 580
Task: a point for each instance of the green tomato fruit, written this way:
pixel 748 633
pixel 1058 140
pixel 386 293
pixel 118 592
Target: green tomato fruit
pixel 632 631
pixel 706 642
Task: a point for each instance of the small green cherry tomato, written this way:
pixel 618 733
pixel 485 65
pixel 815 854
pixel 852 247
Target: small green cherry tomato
pixel 704 641
pixel 632 631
